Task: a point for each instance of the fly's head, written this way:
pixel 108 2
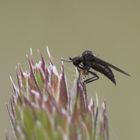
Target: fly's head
pixel 76 60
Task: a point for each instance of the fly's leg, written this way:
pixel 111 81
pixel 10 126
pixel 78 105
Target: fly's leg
pixel 83 67
pixel 93 78
pixel 94 75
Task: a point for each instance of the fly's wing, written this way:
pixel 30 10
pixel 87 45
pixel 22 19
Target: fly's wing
pixel 98 60
pixel 106 70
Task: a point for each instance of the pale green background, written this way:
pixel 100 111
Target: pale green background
pixel 109 28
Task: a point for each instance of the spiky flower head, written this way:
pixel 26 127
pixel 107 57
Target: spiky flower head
pixel 43 107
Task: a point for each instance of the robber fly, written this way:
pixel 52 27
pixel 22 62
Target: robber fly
pixel 88 62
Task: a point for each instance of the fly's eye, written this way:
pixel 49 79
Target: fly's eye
pixel 76 61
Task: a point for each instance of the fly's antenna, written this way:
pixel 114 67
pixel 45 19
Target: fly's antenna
pixel 70 59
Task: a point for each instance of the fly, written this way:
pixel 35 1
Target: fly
pixel 88 62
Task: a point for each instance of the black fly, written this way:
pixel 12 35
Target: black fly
pixel 88 62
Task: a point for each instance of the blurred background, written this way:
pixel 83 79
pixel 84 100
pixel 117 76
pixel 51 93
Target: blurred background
pixel 111 29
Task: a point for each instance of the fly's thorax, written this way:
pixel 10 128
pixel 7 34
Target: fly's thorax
pixel 88 59
pixel 87 52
